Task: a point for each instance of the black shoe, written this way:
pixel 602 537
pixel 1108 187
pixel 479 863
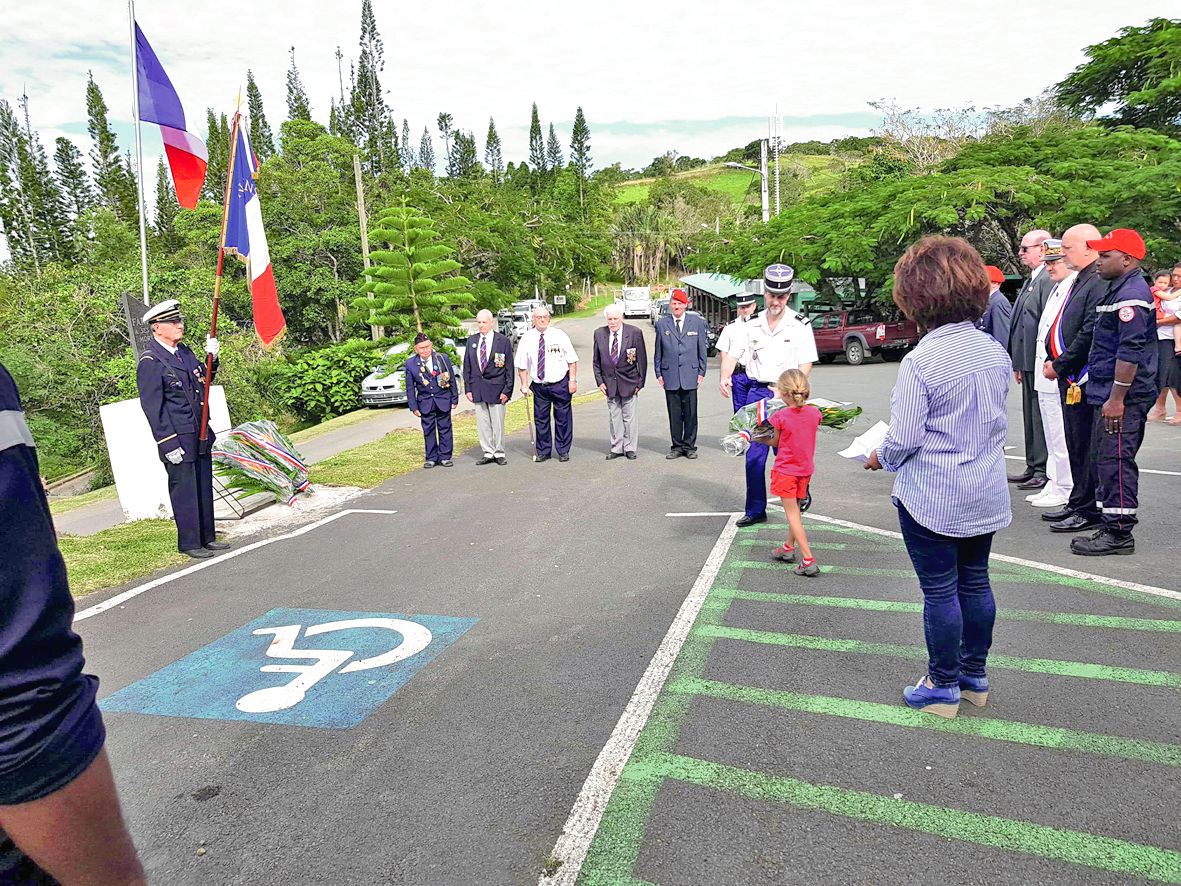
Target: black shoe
pixel 748 520
pixel 1021 478
pixel 611 456
pixel 1075 523
pixel 676 453
pixel 1103 544
pixel 216 546
pixel 428 464
pixel 1034 483
pixel 486 460
pixel 199 554
pixel 501 460
pixel 563 458
pixel 1058 514
pixel 631 456
pixel 690 453
pixel 540 458
pixel 447 463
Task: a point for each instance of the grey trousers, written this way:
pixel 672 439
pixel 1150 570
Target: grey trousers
pixel 621 416
pixel 490 428
pixel 1036 455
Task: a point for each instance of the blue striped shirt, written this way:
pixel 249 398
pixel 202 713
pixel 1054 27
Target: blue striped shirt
pixel 948 423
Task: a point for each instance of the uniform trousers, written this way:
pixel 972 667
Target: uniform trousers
pixel 1035 437
pixel 621 420
pixel 756 459
pixel 740 384
pixel 1117 477
pixel 436 430
pixel 190 489
pixel 682 418
pixel 1057 456
pixel 553 398
pixel 490 428
pixel 1078 421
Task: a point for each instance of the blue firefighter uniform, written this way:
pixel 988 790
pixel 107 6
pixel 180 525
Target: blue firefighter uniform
pixel 171 393
pixel 1124 330
pixel 432 390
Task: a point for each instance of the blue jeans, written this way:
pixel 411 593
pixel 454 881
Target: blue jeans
pixel 958 607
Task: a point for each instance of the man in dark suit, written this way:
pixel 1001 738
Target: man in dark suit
pixel 998 316
pixel 171 383
pixel 488 382
pixel 679 361
pixel 432 392
pixel 1022 345
pixel 621 365
pixel 1069 346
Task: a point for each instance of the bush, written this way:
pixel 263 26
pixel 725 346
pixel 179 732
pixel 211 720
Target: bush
pixel 327 382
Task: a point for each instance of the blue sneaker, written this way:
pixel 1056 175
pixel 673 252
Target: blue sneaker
pixel 943 701
pixel 974 690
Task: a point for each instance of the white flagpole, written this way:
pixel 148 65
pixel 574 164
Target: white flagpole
pixel 139 152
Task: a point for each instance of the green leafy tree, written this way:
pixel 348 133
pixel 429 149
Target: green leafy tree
pixel 412 283
pixel 298 106
pixel 261 138
pixel 464 162
pixel 426 152
pixel 116 184
pixel 72 178
pixel 1138 72
pixel 580 155
pixel 493 155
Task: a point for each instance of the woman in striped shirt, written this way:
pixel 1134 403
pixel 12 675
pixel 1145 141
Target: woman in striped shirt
pixel 948 423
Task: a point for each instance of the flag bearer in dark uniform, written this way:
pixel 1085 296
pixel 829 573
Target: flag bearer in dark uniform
pixel 432 391
pixel 171 382
pixel 1123 384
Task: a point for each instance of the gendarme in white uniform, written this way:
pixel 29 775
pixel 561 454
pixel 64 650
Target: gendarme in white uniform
pixel 559 354
pixel 733 333
pixel 768 354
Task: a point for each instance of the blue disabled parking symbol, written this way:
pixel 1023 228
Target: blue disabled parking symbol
pixel 300 667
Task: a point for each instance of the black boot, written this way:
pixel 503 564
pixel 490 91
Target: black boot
pixel 1103 543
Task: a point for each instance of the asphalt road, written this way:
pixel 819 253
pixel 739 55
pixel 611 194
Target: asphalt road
pixel 778 751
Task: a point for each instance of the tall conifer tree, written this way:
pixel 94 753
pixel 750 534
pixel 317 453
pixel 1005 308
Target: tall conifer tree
pixel 374 127
pixel 298 106
pixel 261 137
pixel 166 208
pixel 580 156
pixel 493 155
pixel 426 152
pixel 536 143
pixel 553 151
pixel 409 159
pixel 217 142
pixel 446 127
pixel 464 161
pixel 71 175
pixel 116 184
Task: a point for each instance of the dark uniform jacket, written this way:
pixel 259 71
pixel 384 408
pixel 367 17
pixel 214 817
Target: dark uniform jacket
pixel 171 393
pixel 1125 329
pixel 1027 314
pixel 998 318
pixel 624 376
pixel 431 386
pixel 1078 324
pixel 679 358
pixel 497 377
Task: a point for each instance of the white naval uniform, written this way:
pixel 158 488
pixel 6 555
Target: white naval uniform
pixel 767 354
pixel 1061 481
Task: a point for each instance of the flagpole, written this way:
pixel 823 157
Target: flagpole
pixel 221 255
pixel 139 151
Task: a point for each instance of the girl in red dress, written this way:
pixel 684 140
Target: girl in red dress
pixel 794 438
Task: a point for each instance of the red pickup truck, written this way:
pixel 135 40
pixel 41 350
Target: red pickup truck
pixel 859 333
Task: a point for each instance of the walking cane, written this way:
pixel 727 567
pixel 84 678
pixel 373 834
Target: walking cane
pixel 529 418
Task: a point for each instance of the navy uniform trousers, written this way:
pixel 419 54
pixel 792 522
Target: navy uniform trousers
pixel 436 430
pixel 190 489
pixel 1078 420
pixel 554 397
pixel 1117 477
pixel 756 458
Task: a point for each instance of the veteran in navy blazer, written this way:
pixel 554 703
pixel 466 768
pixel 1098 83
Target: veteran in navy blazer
pixel 621 365
pixel 679 361
pixel 432 391
pixel 488 383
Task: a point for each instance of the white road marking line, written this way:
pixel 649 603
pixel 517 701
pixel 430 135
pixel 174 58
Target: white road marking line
pixel 119 599
pixel 575 841
pixel 1018 561
pixel 706 514
pixel 1142 470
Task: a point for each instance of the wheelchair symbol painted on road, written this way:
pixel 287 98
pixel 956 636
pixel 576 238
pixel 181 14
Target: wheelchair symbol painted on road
pixel 341 666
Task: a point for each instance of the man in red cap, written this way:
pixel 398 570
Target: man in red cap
pixel 999 312
pixel 1123 383
pixel 679 361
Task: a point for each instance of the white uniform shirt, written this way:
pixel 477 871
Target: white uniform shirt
pixel 1054 304
pixel 768 354
pixel 731 339
pixel 559 354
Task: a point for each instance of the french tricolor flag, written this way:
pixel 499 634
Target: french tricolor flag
pixel 159 104
pixel 246 238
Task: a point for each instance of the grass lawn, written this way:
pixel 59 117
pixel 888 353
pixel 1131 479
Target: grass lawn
pixel 62 505
pixel 349 419
pixel 593 305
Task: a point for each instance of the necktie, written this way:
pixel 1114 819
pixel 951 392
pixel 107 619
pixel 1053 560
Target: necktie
pixel 614 347
pixel 483 353
pixel 680 328
pixel 541 358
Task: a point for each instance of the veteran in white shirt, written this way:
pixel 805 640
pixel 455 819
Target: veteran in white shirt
pixel 548 366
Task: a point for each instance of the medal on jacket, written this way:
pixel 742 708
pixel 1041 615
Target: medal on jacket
pixel 1074 394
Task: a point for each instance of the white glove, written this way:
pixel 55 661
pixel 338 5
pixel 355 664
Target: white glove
pixel 211 346
pixel 175 455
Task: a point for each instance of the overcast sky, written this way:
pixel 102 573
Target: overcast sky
pixel 651 76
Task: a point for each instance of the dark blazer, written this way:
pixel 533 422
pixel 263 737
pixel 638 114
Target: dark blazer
pixel 498 376
pixel 171 394
pixel 997 319
pixel 1027 315
pixel 680 359
pixel 626 376
pixel 427 392
pixel 1078 321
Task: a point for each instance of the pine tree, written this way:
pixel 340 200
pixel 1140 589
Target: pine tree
pixel 553 151
pixel 116 184
pixel 217 142
pixel 580 157
pixel 298 106
pixel 536 144
pixel 409 157
pixel 15 218
pixel 72 177
pixel 166 209
pixel 446 124
pixel 464 161
pixel 374 126
pixel 261 138
pixel 426 152
pixel 493 156
pixel 49 218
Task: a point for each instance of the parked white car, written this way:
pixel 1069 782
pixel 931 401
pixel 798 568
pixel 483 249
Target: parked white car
pixel 388 387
